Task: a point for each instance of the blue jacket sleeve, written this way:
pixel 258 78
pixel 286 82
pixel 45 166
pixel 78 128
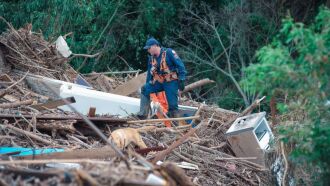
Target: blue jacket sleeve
pixel 148 71
pixel 178 63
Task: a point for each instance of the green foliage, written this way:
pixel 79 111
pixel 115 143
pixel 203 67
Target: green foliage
pixel 296 64
pixel 118 30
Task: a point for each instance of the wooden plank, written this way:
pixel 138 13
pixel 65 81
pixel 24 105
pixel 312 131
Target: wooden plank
pixel 131 86
pixel 54 104
pixel 91 112
pixel 96 153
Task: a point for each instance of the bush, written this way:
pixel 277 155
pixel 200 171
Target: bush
pixel 296 65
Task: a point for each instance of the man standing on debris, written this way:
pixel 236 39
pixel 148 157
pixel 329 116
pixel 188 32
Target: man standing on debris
pixel 166 72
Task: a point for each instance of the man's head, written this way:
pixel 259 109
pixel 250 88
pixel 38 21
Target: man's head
pixel 153 46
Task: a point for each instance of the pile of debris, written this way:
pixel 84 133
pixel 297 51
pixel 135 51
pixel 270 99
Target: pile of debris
pixel 43 144
pixel 27 51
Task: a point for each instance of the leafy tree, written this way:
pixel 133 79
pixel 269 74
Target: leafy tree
pixel 220 40
pixel 296 65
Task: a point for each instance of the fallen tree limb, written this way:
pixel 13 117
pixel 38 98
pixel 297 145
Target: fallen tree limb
pixel 29 134
pixel 85 55
pixel 4 92
pixel 197 84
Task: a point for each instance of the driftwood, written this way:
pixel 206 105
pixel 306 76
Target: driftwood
pixel 197 84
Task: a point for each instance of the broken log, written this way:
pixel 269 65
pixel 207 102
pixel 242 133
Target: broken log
pixel 16 104
pixel 197 84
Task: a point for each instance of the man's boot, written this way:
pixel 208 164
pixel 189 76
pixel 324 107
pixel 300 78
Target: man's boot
pixel 144 107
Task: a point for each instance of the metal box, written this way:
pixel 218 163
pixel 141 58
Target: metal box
pixel 249 136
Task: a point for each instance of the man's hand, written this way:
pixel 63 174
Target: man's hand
pixel 181 85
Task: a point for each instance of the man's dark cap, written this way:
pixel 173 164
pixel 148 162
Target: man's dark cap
pixel 151 41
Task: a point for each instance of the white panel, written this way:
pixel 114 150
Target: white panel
pixel 105 103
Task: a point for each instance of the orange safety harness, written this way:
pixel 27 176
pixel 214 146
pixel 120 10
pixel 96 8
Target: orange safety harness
pixel 167 76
